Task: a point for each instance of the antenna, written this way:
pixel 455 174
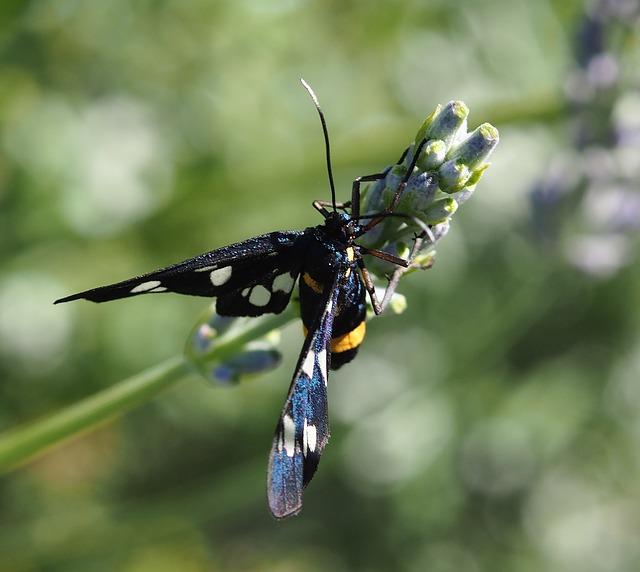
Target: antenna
pixel 326 140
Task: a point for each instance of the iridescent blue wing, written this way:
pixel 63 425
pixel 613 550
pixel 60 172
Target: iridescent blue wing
pixel 303 428
pixel 249 278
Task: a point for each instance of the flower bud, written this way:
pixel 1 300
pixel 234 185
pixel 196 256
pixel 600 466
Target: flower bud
pixel 257 358
pixel 418 194
pixel 449 123
pixel 432 155
pixel 476 148
pixel 254 357
pixel 453 175
pixel 440 211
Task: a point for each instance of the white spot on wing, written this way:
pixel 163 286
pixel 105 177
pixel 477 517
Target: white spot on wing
pixel 145 286
pixel 260 296
pixel 283 282
pixel 322 363
pixel 311 437
pixel 206 268
pixel 159 289
pixel 245 292
pixel 220 276
pixel 304 438
pixel 309 361
pixel 289 435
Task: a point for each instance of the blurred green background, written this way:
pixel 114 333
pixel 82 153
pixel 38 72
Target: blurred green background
pixel 493 426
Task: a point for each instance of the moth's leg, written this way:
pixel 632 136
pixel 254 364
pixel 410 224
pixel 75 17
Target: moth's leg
pixel 320 206
pixel 400 271
pixel 366 277
pixel 368 284
pixel 355 188
pixel 412 166
pixel 355 191
pixel 401 186
pixel 404 154
pixel 385 256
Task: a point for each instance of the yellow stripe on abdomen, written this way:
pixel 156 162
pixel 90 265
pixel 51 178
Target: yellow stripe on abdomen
pixel 315 286
pixel 347 341
pixel 350 340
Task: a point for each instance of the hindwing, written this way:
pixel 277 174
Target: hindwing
pixel 303 428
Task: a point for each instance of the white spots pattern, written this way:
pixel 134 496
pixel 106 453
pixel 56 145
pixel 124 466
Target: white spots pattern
pixel 246 291
pixel 289 427
pixel 206 268
pixel 309 361
pixel 322 363
pixel 220 276
pixel 283 283
pixel 259 296
pixel 145 287
pixel 310 437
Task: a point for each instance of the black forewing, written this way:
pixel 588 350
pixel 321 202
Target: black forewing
pixel 303 428
pixel 249 278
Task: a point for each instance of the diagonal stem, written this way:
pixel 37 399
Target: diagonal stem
pixel 25 443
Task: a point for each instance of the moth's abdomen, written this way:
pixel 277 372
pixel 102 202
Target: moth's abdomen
pixel 344 348
pixel 349 322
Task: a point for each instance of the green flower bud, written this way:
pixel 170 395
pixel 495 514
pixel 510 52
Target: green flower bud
pixel 418 194
pixel 477 147
pixel 432 155
pixel 448 124
pixel 453 176
pixel 477 175
pixel 440 211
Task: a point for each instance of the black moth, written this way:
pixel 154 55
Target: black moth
pixel 257 276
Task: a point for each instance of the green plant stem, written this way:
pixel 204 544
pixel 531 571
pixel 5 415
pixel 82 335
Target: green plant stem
pixel 23 444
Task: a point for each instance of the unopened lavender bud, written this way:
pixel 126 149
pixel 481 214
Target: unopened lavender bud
pixel 467 191
pixel 432 155
pixel 418 194
pixel 476 148
pixel 209 328
pixel 440 211
pixel 448 124
pixel 453 176
pixel 259 357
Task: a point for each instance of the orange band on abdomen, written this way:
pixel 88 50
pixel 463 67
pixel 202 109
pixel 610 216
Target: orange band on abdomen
pixel 350 340
pixel 347 341
pixel 315 286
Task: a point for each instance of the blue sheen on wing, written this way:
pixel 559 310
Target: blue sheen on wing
pixel 303 428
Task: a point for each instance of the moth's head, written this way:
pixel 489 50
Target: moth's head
pixel 340 226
